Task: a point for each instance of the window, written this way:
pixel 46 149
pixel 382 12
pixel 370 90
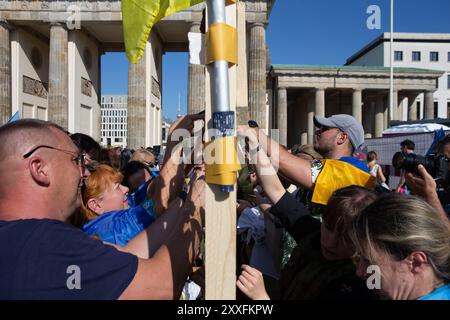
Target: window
pixel 448 109
pixel 418 110
pixel 436 104
pixel 416 56
pixel 448 56
pixel 434 56
pixel 448 81
pixel 398 55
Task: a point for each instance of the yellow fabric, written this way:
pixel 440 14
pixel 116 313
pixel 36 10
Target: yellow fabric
pixel 221 43
pixel 139 16
pixel 336 175
pixel 228 2
pixel 224 169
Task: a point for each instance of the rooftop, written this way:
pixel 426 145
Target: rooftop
pixel 400 37
pixel 346 68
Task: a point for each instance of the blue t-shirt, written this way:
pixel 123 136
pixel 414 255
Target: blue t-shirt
pixel 441 293
pixel 120 226
pixel 38 258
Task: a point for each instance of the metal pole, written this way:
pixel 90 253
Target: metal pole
pixel 391 78
pixel 220 96
pixel 222 116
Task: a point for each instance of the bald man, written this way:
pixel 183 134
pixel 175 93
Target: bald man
pixel 42 257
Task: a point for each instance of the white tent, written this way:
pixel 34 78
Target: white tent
pixel 414 128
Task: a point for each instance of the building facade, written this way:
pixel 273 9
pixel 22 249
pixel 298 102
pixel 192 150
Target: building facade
pixel 298 92
pixel 50 64
pixel 413 50
pixel 114 113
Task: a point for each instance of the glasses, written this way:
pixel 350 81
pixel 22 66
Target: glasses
pixel 322 129
pixel 79 158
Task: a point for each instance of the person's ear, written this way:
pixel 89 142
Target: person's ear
pixel 95 206
pixel 39 170
pixel 418 261
pixel 341 138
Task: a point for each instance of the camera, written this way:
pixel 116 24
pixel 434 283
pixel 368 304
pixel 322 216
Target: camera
pixel 436 165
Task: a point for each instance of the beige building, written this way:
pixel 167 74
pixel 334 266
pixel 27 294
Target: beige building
pixel 298 92
pixel 413 50
pixel 50 64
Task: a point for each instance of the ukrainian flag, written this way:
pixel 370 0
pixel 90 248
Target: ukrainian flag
pixel 139 16
pixel 336 175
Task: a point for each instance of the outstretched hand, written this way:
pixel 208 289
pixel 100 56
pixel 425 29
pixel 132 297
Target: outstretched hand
pixel 423 185
pixel 251 283
pixel 186 122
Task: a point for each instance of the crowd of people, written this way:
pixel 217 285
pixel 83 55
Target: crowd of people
pixel 78 221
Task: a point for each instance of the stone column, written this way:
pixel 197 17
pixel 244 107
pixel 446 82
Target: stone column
pixel 395 107
pixel 319 108
pixel 412 107
pixel 5 72
pixel 58 106
pixel 196 81
pixel 429 105
pixel 282 115
pixel 310 119
pixel 301 120
pixel 357 105
pixel 379 116
pixel 257 74
pixel 136 104
pixel 368 118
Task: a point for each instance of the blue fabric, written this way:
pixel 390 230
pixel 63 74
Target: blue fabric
pixel 35 256
pixel 441 293
pixel 356 163
pixel 438 136
pixel 138 196
pixel 15 117
pixel 120 226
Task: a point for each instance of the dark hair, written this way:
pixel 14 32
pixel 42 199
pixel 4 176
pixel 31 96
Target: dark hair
pixel 440 146
pixel 87 144
pixel 344 205
pixel 372 155
pixel 125 156
pixel 408 144
pixel 129 169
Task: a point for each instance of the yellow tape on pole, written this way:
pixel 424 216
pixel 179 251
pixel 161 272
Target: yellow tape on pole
pixel 225 165
pixel 221 43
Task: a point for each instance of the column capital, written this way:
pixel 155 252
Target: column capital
pixel 58 24
pixel 258 24
pixel 194 26
pixel 357 89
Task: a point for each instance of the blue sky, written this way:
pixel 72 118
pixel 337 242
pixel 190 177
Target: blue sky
pixel 324 32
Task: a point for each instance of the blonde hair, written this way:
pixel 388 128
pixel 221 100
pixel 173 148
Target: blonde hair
pixel 397 225
pixel 143 155
pixel 98 182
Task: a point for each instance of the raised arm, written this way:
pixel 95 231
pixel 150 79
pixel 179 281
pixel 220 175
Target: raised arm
pixel 168 184
pixel 164 274
pixel 294 216
pixel 297 169
pixel 425 187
